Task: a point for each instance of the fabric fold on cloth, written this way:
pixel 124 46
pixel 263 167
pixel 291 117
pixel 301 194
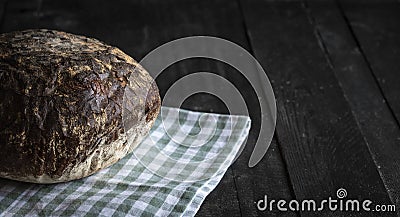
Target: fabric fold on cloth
pixel 170 173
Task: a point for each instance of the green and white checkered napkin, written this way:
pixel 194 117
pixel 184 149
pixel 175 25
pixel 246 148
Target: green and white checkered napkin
pixel 131 187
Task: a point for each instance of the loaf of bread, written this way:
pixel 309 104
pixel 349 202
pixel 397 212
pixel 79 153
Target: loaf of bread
pixel 69 105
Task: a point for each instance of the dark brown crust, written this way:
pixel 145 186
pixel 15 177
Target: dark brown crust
pixel 60 98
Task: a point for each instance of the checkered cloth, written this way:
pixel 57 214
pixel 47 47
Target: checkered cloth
pixel 145 183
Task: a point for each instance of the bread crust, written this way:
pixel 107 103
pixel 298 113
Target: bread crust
pixel 69 105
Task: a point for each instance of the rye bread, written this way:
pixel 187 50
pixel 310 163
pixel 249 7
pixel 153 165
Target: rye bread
pixel 62 105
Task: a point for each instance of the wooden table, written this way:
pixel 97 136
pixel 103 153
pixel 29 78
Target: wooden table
pixel 334 67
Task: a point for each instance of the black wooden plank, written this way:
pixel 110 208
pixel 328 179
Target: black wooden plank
pixel 138 27
pixel 375 119
pixel 322 145
pixel 376 27
pixel 269 178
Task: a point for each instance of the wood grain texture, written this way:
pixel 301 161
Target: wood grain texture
pixel 137 27
pixel 375 119
pixel 322 145
pixel 375 24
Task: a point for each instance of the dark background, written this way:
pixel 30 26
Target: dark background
pixel 334 67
